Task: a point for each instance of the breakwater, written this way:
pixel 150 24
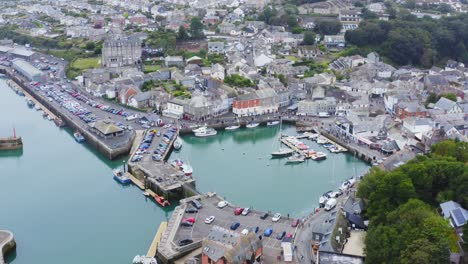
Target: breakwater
pixel 110 151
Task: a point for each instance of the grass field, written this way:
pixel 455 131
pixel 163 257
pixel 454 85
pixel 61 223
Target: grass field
pixel 151 68
pixel 86 63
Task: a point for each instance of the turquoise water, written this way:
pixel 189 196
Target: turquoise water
pixel 59 199
pixel 237 165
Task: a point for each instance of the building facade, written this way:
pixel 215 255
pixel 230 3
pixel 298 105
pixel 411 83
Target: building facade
pixel 120 50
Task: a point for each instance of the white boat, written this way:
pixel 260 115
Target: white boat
pixel 232 127
pixel 178 144
pixel 199 129
pixel 273 123
pixel 324 198
pixel 205 132
pixel 295 159
pixel 144 260
pixel 146 194
pixel 187 169
pixel 322 140
pixel 50 118
pixel 252 125
pixel 318 156
pixel 37 107
pixel 282 152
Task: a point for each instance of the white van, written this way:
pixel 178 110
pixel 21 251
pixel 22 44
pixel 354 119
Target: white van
pixel 331 203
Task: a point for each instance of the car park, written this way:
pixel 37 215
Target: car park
pixel 210 219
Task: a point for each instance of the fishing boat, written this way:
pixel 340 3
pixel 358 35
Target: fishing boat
pixel 295 159
pixel 161 200
pixel 318 156
pixel 187 169
pixel 30 102
pixel 178 144
pixel 205 132
pixel 282 152
pixel 252 125
pixel 78 137
pixel 273 123
pixel 59 122
pixel 120 177
pixel 232 127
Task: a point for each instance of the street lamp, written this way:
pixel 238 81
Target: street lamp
pixel 124 166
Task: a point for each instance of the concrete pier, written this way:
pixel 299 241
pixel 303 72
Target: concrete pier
pixel 7 243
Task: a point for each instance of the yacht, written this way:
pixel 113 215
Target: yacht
pixel 205 132
pixel 324 198
pixel 120 177
pixel 295 159
pixel 273 123
pixel 252 125
pixel 282 152
pixel 178 144
pixel 318 156
pixel 232 127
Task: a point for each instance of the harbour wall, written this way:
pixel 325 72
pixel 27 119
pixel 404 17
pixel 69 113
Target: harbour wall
pixel 7 243
pixel 92 139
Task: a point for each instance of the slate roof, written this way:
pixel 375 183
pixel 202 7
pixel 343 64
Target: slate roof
pixel 444 104
pixel 105 128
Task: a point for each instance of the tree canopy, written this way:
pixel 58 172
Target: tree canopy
pixel 404 227
pixel 327 26
pixel 408 40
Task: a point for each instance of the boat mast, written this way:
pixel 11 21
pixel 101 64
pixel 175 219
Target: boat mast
pixel 14 132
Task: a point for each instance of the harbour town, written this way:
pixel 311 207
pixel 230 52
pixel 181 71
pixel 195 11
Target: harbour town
pixel 231 132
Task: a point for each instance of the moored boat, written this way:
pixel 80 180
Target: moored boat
pixel 324 198
pixel 161 200
pixel 178 144
pixel 252 125
pixel 318 156
pixel 59 122
pixel 273 123
pixel 30 102
pixel 44 114
pixel 78 137
pixel 205 132
pixel 232 127
pixel 187 169
pixel 120 177
pixel 49 118
pixel 295 159
pixel 38 107
pixel 282 152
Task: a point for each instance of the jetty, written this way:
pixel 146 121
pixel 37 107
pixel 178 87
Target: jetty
pixel 157 239
pixel 7 243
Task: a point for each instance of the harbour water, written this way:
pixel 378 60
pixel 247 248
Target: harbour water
pixel 59 199
pixel 238 166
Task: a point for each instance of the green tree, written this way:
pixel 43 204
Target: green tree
pixel 196 28
pixel 309 38
pixel 90 45
pixel 182 35
pixel 328 26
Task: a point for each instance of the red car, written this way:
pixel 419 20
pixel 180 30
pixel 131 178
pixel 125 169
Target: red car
pixel 189 219
pixel 238 210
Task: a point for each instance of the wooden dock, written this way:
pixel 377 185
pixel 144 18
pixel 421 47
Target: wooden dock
pixel 339 148
pixel 135 181
pixel 27 95
pixel 157 238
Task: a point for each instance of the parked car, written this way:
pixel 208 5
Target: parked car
pixel 191 210
pixel 197 204
pixel 246 211
pixel 264 216
pixel 276 217
pixel 238 210
pixel 210 219
pixel 235 225
pixel 222 204
pixel 255 229
pixel 281 235
pixel 295 223
pixel 245 232
pixel 187 224
pixel 268 232
pixel 185 242
pixel 189 219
